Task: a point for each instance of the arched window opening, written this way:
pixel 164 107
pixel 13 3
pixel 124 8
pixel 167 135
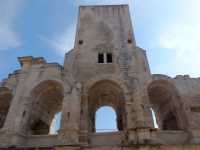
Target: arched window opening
pixel 47 98
pixel 5 100
pixel 163 95
pixel 154 118
pixel 106 120
pixel 106 93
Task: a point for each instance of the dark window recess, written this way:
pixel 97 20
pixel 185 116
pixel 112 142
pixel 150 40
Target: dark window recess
pixel 68 114
pixel 109 58
pixel 80 42
pixel 100 58
pixel 129 41
pixel 24 113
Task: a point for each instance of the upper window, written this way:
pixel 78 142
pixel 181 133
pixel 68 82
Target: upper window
pixel 100 58
pixel 129 41
pixel 105 58
pixel 109 58
pixel 80 42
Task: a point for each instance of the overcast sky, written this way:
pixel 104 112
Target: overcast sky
pixel 169 31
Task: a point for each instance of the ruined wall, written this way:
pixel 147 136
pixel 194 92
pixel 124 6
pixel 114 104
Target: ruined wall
pixel 108 30
pixel 182 101
pixel 105 68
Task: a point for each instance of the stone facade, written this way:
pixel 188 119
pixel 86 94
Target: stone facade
pixel 105 68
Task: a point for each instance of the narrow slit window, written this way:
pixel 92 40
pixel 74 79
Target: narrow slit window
pixel 80 42
pixel 129 41
pixel 109 58
pixel 100 58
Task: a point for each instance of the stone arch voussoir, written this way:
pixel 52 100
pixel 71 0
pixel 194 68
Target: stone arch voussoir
pixel 161 77
pixel 63 82
pixel 10 86
pixel 88 85
pixel 165 83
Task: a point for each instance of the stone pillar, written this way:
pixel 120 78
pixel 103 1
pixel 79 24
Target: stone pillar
pixel 132 137
pixel 20 117
pixel 139 134
pixel 13 118
pixel 69 126
pixel 137 104
pixel 74 115
pixel 83 136
pixel 143 135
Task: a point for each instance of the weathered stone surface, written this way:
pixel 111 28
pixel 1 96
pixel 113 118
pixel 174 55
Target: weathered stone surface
pixel 105 68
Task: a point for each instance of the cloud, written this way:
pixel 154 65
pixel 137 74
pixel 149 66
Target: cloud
pixel 8 10
pixel 182 37
pixel 64 43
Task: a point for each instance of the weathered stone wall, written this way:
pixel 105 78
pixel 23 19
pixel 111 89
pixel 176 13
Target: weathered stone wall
pixel 102 30
pixel 31 97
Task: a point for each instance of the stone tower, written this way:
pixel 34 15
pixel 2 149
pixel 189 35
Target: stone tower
pixel 106 55
pixel 105 68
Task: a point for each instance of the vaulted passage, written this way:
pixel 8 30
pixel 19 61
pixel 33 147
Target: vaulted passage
pixel 106 93
pixel 163 96
pixel 5 100
pixel 46 100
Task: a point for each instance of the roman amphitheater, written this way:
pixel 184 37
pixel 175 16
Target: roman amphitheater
pixel 105 68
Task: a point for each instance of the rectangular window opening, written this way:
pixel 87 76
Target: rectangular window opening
pixel 80 42
pixel 100 58
pixel 68 114
pixel 195 109
pixel 129 41
pixel 24 113
pixel 109 58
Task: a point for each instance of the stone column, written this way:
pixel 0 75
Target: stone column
pixel 142 135
pixel 83 136
pixel 64 118
pixel 69 127
pixel 12 121
pixel 137 103
pixel 74 115
pixel 65 111
pixel 21 116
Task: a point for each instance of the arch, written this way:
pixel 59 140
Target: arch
pixel 46 100
pixel 5 100
pixel 106 93
pixel 8 85
pixel 124 85
pixel 106 119
pixel 165 101
pixel 160 77
pixel 64 82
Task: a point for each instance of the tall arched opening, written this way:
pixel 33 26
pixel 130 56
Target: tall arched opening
pixel 106 93
pixel 5 100
pixel 46 98
pixel 106 119
pixel 163 97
